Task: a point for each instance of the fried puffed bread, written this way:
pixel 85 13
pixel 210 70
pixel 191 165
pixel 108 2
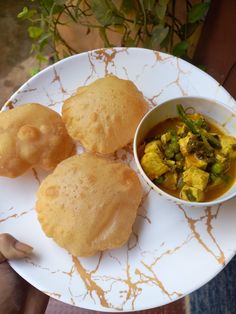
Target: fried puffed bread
pixel 31 135
pixel 89 204
pixel 104 115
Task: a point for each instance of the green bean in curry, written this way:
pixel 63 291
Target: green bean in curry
pixel 190 157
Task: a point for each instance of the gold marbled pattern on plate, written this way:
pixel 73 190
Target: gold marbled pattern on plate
pixel 172 249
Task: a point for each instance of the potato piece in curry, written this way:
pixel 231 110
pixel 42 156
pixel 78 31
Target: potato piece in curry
pixel 190 157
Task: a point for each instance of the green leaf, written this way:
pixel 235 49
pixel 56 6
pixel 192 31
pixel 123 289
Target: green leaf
pixel 41 58
pixel 159 33
pixel 103 35
pixel 188 29
pixel 180 49
pixel 23 13
pixel 165 43
pixel 57 9
pixel 43 40
pixel 46 4
pixel 35 32
pixel 44 37
pixel 59 2
pixel 127 6
pixel 34 48
pixel 106 12
pixel 147 43
pixel 161 8
pixel 149 4
pixel 164 2
pixel 52 6
pixel 34 71
pixel 26 13
pixel 198 12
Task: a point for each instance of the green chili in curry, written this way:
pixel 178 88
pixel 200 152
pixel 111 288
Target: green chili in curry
pixel 190 157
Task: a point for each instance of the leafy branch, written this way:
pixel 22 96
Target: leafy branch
pixel 152 24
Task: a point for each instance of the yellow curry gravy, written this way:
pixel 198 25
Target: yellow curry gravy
pixel 211 194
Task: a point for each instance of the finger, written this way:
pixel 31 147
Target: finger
pixel 36 302
pixel 10 248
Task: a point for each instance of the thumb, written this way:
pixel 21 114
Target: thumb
pixel 10 248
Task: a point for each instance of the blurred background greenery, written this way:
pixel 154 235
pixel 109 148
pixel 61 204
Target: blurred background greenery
pixel 39 32
pixel 66 27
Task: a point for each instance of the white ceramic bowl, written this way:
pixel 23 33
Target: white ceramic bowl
pixel 219 112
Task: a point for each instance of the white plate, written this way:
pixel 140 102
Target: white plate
pixel 172 250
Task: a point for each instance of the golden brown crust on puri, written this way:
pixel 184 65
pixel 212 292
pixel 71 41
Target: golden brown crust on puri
pixel 89 204
pixel 104 115
pixel 30 135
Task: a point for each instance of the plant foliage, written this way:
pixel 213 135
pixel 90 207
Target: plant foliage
pixel 145 23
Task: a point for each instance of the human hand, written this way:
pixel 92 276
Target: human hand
pixel 17 296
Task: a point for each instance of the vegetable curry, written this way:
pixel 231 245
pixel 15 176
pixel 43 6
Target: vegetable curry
pixel 190 157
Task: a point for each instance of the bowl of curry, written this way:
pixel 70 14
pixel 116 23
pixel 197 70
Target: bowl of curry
pixel 185 149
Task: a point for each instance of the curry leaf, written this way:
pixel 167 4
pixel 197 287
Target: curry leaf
pixel 35 32
pixel 198 12
pixel 180 48
pixel 106 12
